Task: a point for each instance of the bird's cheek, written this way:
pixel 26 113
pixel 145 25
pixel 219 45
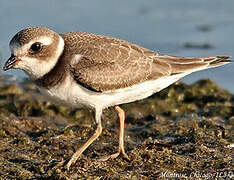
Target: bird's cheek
pixel 22 64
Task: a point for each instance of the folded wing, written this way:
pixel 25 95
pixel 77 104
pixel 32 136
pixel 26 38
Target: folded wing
pixel 102 63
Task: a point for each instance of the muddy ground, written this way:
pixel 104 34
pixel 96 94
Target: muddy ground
pixel 185 131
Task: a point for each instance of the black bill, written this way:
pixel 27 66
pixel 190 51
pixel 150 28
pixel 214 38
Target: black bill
pixel 10 63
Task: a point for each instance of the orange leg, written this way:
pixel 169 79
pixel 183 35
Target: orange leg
pixel 121 116
pixel 77 154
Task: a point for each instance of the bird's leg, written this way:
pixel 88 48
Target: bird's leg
pixel 121 116
pixel 77 154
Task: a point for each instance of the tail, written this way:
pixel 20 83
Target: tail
pixel 191 64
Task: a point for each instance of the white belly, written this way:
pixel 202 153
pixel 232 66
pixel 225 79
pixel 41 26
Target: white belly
pixel 73 94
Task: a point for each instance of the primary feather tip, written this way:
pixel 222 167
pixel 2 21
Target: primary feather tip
pixel 220 60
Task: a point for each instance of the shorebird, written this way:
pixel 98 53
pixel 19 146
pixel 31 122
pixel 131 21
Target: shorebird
pixel 85 70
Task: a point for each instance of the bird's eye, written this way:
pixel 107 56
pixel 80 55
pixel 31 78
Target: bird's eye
pixel 36 47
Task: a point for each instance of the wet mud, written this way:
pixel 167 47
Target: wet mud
pixel 185 131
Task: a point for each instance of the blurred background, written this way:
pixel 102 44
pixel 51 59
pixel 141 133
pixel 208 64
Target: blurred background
pixel 181 27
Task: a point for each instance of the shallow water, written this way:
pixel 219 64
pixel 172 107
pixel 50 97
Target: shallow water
pixel 184 28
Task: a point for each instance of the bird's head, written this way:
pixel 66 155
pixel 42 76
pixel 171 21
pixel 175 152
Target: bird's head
pixel 35 50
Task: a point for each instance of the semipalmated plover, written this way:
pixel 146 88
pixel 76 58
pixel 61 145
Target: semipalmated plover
pixel 92 71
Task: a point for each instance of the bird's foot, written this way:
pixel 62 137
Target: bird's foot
pixel 115 155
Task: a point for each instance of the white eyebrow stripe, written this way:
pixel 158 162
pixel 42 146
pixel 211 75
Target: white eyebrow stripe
pixel 44 40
